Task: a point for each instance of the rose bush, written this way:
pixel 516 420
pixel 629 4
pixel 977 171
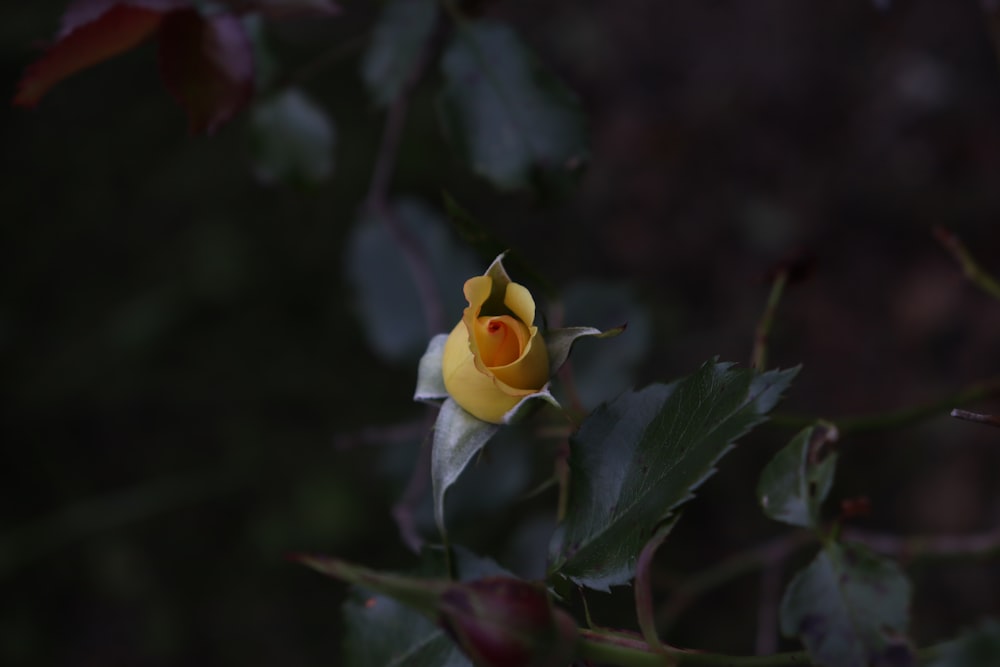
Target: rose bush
pixel 487 371
pixel 494 356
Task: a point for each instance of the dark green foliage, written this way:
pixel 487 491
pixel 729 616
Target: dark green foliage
pixel 292 140
pixel 794 484
pixel 507 115
pixel 850 608
pixel 637 458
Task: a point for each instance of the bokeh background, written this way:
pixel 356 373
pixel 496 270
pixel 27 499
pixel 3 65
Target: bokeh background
pixel 190 394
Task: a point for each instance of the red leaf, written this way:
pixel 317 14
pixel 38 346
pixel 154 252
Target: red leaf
pixel 89 36
pixel 80 12
pixel 207 65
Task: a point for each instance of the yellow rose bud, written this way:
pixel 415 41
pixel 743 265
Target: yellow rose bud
pixel 494 356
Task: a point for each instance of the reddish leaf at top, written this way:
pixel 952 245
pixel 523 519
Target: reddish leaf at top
pixel 81 12
pixel 207 65
pixel 92 31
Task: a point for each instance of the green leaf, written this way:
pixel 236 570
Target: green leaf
pixel 796 481
pixel 381 631
pixel 975 648
pixel 639 457
pixel 403 29
pixel 292 140
pixel 388 302
pixel 850 608
pixel 430 379
pixel 509 117
pixel 458 436
pixel 560 342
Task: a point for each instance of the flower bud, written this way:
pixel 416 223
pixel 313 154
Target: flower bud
pixel 495 356
pixel 504 622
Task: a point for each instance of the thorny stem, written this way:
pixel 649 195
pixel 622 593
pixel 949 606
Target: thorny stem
pixel 614 648
pixel 970 268
pixel 890 420
pixel 737 565
pixel 976 417
pixel 986 543
pixel 771 553
pixel 617 649
pixel 759 358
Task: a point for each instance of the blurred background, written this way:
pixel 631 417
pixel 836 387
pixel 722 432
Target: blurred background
pixel 193 389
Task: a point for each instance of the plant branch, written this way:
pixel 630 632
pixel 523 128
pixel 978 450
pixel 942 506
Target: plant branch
pixel 737 565
pixel 976 417
pixel 334 55
pixel 404 511
pixel 904 417
pixel 378 193
pixel 970 267
pixel 986 543
pixel 618 649
pixel 758 359
pixel 768 608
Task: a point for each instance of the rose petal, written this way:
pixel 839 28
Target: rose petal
pixel 520 302
pixel 530 372
pixel 500 340
pixel 474 390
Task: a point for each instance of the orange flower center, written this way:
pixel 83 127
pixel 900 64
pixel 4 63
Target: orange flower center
pixel 500 340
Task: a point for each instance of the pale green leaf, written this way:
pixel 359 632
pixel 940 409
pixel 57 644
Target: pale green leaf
pixel 850 608
pixel 430 379
pixel 637 458
pixel 795 482
pixel 560 342
pixel 402 31
pixel 458 436
pixel 292 140
pixel 527 404
pixel 509 117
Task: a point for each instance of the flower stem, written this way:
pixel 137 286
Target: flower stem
pixel 898 418
pixel 759 358
pixel 616 649
pixel 970 268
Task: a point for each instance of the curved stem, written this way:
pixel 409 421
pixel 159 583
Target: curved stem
pixel 735 566
pixel 616 649
pixel 758 359
pixel 883 421
pixel 612 648
pixel 970 267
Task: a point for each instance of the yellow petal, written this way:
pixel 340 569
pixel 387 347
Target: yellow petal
pixel 531 371
pixel 477 291
pixel 477 392
pixel 520 302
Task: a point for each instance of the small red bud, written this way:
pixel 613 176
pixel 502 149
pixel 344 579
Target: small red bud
pixel 852 507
